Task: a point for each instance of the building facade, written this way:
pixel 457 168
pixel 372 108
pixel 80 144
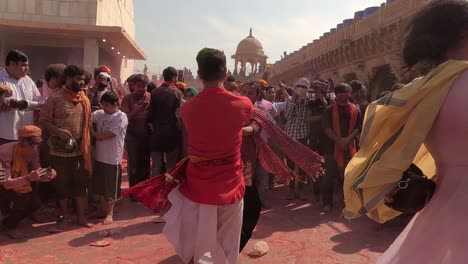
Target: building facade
pixel 366 47
pixel 84 32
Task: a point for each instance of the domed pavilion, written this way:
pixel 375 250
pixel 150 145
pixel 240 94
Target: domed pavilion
pixel 249 52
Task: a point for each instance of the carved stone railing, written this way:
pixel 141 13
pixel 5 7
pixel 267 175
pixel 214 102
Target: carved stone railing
pixel 377 33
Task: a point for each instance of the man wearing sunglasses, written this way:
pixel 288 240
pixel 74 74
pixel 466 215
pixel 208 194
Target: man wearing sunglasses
pixel 295 112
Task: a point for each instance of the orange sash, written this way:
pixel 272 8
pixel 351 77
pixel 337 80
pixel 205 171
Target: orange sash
pixel 339 154
pixel 19 168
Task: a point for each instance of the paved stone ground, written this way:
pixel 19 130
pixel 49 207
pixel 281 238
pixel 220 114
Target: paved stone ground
pixel 296 231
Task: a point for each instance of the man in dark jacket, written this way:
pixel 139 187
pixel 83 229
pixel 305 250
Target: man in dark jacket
pixel 163 124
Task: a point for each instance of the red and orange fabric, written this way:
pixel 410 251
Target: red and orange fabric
pixel 153 192
pixel 29 132
pixel 181 85
pixel 339 153
pixel 19 167
pixel 264 84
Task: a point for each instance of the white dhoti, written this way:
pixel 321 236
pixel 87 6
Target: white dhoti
pixel 203 233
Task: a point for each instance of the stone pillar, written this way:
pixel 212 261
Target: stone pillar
pixel 235 66
pixel 3 52
pixel 90 54
pixel 126 68
pixel 242 71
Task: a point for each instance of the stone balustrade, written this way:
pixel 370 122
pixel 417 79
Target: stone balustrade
pixel 362 45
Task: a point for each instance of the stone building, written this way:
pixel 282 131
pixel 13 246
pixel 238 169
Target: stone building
pixel 84 32
pixel 249 53
pixel 366 47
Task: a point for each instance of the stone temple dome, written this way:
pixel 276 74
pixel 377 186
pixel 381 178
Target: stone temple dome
pixel 249 53
pixel 250 46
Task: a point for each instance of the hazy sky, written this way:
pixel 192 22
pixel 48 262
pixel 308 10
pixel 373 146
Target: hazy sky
pixel 172 32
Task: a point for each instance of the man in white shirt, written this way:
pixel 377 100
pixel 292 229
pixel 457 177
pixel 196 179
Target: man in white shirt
pixel 22 88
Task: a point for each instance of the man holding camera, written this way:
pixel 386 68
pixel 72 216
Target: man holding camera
pixel 17 104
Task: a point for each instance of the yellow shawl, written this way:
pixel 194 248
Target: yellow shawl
pixel 392 138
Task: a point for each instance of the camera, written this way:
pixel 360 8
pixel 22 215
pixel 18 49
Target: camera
pixel 13 103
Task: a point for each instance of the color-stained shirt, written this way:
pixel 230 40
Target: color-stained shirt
pixel 46 91
pixel 6 159
pixel 137 125
pixel 110 151
pixel 66 115
pixel 214 120
pixel 268 108
pixel 345 120
pixel 270 111
pixel 165 100
pixel 318 139
pixel 22 89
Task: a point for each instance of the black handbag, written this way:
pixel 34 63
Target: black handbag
pixel 412 193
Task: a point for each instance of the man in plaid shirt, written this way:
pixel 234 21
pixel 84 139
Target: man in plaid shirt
pixel 296 108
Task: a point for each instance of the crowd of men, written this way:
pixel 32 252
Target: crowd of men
pixel 64 137
pixel 58 132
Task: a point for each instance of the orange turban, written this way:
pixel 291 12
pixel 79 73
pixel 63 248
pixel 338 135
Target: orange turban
pixel 182 86
pixel 264 84
pixel 29 132
pixel 102 68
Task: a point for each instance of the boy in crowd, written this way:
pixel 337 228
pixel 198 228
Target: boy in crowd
pixel 111 128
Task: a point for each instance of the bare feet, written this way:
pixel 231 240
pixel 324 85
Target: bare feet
pixel 15 234
pixel 84 223
pixel 108 220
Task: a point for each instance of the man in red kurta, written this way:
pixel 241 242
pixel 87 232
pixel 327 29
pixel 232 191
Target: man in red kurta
pixel 204 222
